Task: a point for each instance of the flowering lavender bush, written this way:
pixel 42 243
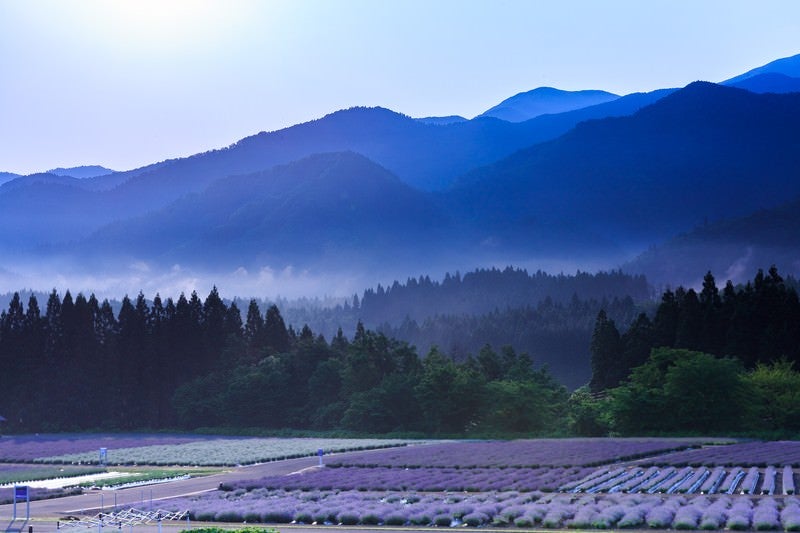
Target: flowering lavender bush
pixel 790 516
pixel 766 516
pixel 687 517
pixel 715 515
pixel 740 515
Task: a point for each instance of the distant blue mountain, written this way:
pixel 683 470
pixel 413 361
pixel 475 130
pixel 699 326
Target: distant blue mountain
pixel 7 176
pixel 23 182
pixel 442 121
pixel 545 101
pixel 732 249
pixel 703 151
pixel 86 171
pixel 335 210
pixel 768 83
pixel 788 66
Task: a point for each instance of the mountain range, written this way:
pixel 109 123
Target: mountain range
pixel 547 175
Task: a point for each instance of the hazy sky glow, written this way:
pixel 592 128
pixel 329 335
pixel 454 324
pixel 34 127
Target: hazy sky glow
pixel 126 83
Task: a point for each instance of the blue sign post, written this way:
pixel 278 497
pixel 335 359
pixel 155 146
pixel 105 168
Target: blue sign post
pixel 320 452
pixel 21 492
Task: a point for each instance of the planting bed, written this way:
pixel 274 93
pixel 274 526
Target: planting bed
pixel 25 448
pixel 424 479
pixel 512 509
pixel 222 452
pixel 520 453
pixel 20 473
pixel 740 454
pixel 687 480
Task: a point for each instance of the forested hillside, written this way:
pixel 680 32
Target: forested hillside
pixel 191 363
pixel 719 361
pixel 713 363
pixel 547 316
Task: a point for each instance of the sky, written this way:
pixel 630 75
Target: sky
pixel 127 83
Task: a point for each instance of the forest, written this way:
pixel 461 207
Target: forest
pixel 718 361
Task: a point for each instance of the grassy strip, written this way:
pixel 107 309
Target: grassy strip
pixel 239 530
pixel 46 472
pixel 148 475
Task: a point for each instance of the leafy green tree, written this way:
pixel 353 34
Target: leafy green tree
pixel 774 397
pixel 679 390
pixel 588 414
pixel 521 406
pixel 449 395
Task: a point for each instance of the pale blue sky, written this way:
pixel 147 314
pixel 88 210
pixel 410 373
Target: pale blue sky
pixel 123 83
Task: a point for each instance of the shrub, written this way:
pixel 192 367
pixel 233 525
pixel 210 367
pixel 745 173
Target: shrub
pixel 278 516
pixel 349 518
pixel 523 521
pixel 228 516
pixel 370 519
pixel 395 519
pixel 419 519
pixel 475 519
pixel 442 520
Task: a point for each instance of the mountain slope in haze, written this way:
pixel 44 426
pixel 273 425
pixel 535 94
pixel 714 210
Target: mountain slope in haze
pixel 768 83
pixel 85 171
pixel 731 249
pixel 788 66
pixel 705 151
pixel 7 176
pixel 334 209
pixel 441 121
pixel 431 154
pixel 545 101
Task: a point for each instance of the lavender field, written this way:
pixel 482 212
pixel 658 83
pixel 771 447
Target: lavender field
pixel 521 453
pixel 738 454
pixel 477 484
pixel 26 448
pixel 512 509
pixel 424 479
pixel 687 480
pixel 220 451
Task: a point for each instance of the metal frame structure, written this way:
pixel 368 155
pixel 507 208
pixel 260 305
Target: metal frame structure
pixel 130 517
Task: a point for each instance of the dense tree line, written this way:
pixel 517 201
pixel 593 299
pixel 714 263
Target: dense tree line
pixel 757 323
pixel 548 316
pixel 474 293
pixel 192 363
pixel 716 362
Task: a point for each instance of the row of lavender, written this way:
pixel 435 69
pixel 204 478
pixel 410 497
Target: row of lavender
pixel 423 479
pixel 687 480
pixel 519 453
pixel 754 453
pixel 26 448
pixel 498 509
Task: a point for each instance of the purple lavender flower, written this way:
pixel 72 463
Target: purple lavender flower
pixel 766 516
pixel 790 516
pixel 687 517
